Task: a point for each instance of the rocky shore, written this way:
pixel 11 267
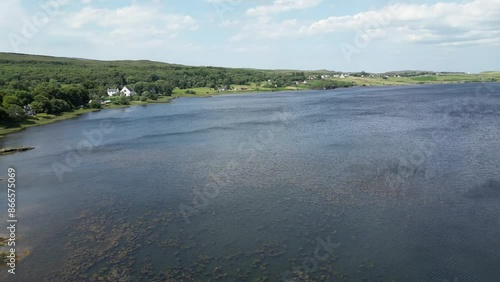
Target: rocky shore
pixel 4 151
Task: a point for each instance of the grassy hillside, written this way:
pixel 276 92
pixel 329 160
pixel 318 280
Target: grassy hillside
pixel 425 79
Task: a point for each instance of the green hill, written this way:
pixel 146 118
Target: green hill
pixel 96 76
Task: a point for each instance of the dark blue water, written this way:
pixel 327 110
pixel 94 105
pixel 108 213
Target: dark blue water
pixel 379 183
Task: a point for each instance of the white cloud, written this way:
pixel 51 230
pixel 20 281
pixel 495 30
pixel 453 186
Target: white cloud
pixel 135 20
pixel 20 26
pixel 452 24
pixel 279 6
pixel 224 1
pixel 11 12
pixel 265 28
pixel 252 49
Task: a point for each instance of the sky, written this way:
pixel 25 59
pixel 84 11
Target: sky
pixel 343 35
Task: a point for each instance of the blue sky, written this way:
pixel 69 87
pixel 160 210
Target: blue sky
pixel 369 35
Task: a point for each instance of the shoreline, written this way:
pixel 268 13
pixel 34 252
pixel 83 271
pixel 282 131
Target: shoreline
pixel 44 120
pixel 66 116
pixel 77 113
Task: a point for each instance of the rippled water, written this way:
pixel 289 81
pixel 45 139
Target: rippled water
pixel 380 183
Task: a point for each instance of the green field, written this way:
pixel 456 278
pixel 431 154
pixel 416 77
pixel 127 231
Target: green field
pixel 430 79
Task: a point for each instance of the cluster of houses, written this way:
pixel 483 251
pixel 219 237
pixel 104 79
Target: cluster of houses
pixel 126 91
pixel 29 111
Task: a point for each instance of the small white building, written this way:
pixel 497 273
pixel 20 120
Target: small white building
pixel 113 91
pixel 127 92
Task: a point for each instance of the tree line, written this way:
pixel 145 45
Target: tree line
pixel 55 85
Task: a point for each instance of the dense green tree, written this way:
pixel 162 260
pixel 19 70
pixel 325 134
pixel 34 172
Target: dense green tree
pixel 95 104
pixel 49 90
pixel 24 97
pixel 58 106
pixel 19 85
pixel 4 92
pixel 140 87
pixel 123 80
pixel 163 88
pixel 9 100
pixel 39 108
pixel 4 116
pixel 153 77
pixel 16 113
pixel 75 94
pixel 153 96
pixel 124 100
pixel 41 104
pixel 89 84
pixel 131 80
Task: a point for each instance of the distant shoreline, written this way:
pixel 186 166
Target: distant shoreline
pixel 77 113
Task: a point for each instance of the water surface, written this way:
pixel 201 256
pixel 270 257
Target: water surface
pixel 400 183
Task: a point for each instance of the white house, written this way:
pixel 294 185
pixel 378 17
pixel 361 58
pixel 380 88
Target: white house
pixel 127 91
pixel 112 91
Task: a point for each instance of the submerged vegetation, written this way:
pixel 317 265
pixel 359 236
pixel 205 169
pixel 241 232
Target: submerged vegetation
pixel 5 253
